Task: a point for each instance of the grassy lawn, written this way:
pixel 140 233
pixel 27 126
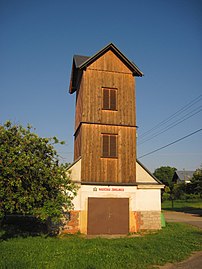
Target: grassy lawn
pixel 171 244
pixel 183 205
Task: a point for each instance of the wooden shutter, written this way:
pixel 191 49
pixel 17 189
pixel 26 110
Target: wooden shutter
pixel 105 146
pixel 109 146
pixel 112 143
pixel 106 99
pixel 109 99
pixel 113 99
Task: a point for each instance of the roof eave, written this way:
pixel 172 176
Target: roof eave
pixel 72 90
pixel 75 73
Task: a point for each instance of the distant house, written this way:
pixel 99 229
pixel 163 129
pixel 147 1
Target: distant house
pixel 183 176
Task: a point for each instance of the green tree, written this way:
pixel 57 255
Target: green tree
pixel 165 175
pixel 31 179
pixel 165 194
pixel 178 191
pixel 196 182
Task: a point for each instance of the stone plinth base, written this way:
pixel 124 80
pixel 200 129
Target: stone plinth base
pixel 71 223
pixel 148 220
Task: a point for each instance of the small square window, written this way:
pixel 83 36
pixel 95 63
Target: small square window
pixel 109 146
pixel 109 99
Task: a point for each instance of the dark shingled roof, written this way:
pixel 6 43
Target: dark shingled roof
pixel 183 175
pixel 79 60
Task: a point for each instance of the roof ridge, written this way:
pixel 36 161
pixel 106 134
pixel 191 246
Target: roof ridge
pixel 81 62
pixel 131 64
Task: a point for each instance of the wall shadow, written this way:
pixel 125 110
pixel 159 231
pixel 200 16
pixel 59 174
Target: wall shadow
pixel 21 226
pixel 190 210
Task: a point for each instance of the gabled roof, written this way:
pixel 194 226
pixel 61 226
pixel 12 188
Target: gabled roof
pixel 80 63
pixel 183 175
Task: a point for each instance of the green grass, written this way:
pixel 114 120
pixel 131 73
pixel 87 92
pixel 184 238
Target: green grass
pixel 173 243
pixel 183 205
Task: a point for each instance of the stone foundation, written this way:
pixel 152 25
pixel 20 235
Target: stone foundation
pixel 141 220
pixel 149 220
pixel 71 223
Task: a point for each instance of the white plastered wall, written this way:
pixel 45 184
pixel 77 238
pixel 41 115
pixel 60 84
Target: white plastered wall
pixel 148 200
pixel 141 197
pixel 86 191
pixel 139 200
pixel 75 171
pixel 142 175
pixel 146 196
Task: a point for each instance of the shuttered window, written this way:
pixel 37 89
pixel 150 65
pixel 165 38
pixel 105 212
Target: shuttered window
pixel 109 146
pixel 109 99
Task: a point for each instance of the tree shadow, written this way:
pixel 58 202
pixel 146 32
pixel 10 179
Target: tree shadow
pixel 190 210
pixel 21 226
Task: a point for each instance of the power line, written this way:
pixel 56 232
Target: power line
pixel 178 112
pixel 175 123
pixel 170 143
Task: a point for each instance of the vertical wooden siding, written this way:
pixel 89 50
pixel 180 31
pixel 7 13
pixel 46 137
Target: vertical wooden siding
pixel 79 105
pixel 110 62
pixel 77 144
pixel 106 72
pixel 92 98
pixel 116 170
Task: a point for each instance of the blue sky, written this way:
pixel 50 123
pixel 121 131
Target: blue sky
pixel 163 38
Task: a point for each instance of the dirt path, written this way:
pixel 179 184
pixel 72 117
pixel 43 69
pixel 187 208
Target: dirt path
pixel 192 219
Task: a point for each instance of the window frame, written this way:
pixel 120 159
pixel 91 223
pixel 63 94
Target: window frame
pixel 109 146
pixel 110 104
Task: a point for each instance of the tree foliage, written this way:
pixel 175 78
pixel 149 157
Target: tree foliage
pixel 31 179
pixel 195 187
pixel 165 174
pixel 174 191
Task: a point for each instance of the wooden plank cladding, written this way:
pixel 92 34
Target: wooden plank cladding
pixel 105 119
pixel 110 62
pixel 77 144
pixel 95 167
pixel 79 106
pixel 89 102
pixel 92 99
